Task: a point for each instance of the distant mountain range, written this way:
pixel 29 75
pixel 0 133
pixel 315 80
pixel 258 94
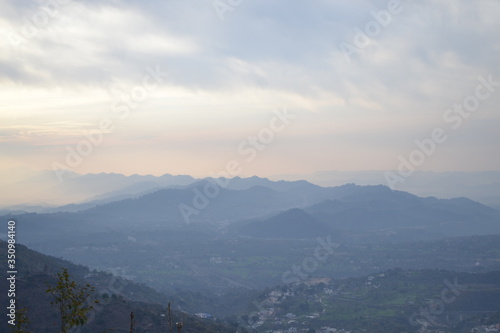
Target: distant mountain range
pixel 259 207
pixel 379 212
pixel 42 191
pixel 480 186
pixel 293 223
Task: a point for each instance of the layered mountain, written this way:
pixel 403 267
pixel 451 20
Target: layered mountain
pixel 245 235
pixel 45 191
pixel 206 207
pixel 292 224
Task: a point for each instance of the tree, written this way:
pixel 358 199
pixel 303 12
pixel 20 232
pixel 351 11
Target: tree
pixel 73 301
pixel 22 322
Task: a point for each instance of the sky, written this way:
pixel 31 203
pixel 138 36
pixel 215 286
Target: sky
pixel 240 87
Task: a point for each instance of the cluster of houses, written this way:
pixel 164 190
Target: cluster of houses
pixel 321 330
pixel 486 329
pixel 267 314
pixel 478 329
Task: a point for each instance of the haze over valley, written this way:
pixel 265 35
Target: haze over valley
pixel 243 166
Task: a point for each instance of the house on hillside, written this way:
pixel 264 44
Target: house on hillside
pixel 486 329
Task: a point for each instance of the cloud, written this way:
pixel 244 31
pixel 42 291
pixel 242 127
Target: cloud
pixel 90 42
pixel 264 54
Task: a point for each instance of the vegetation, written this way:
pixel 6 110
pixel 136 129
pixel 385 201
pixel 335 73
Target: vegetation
pixel 393 301
pixel 117 299
pixel 22 321
pixel 72 301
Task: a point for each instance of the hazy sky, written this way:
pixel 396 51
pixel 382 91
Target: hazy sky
pixel 276 86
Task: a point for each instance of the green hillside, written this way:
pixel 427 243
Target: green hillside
pixel 393 301
pixel 117 299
